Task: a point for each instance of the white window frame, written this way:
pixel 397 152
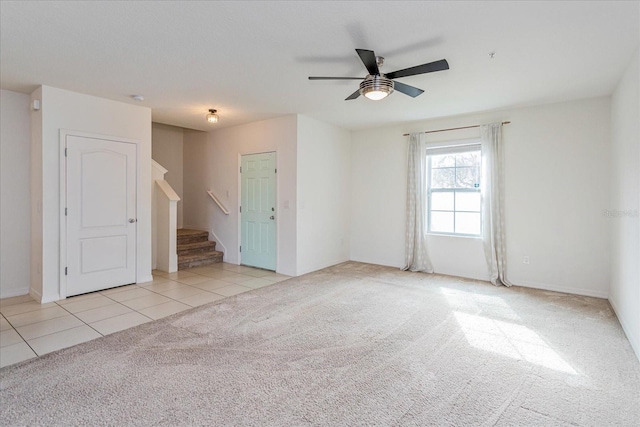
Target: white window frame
pixel 453 148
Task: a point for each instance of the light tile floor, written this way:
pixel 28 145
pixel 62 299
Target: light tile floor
pixel 30 329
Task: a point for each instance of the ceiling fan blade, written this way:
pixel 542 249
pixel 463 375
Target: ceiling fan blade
pixel 336 78
pixel 407 90
pixel 420 69
pixel 369 60
pixel 354 95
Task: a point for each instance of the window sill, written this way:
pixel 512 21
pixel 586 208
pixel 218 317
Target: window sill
pixel 462 236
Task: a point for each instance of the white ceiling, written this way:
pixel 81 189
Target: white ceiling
pixel 251 60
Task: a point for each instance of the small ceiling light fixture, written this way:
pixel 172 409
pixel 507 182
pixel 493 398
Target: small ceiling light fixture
pixel 212 117
pixel 376 87
pixel 137 97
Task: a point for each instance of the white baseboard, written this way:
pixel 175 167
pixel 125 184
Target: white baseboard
pixel 219 242
pixel 452 274
pixel 35 295
pixel 43 299
pixel 464 276
pixel 383 263
pixel 14 293
pixel 635 345
pixel 533 285
pixel 563 289
pixel 325 265
pixel 144 279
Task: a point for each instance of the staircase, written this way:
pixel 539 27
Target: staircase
pixel 195 249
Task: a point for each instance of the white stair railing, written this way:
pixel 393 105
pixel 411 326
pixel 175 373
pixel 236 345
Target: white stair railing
pixel 220 205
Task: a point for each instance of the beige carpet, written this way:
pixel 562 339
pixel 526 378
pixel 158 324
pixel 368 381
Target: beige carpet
pixel 354 344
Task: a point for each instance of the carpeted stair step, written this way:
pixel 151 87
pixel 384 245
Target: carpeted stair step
pixel 199 260
pixel 196 248
pixel 186 235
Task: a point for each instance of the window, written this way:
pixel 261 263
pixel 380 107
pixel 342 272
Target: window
pixel 453 182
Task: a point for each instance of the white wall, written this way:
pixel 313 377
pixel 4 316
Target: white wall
pixel 378 186
pixel 324 193
pixel 625 202
pixel 73 111
pixel 557 179
pixel 15 204
pixel 166 149
pixel 212 161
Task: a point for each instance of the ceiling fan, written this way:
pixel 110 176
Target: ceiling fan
pixel 377 86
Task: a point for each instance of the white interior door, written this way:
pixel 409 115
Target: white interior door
pixel 101 214
pixel 258 215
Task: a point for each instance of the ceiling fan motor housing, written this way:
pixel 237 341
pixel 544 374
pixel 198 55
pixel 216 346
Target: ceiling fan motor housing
pixel 377 83
pixel 377 86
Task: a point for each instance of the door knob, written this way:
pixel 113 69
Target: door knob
pixel 272 217
pixel 131 220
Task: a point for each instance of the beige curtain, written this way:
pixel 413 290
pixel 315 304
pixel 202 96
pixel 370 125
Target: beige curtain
pixel 416 254
pixel 493 203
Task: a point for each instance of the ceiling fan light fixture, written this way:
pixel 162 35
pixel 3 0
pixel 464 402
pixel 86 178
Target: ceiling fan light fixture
pixel 376 95
pixel 212 117
pixel 376 87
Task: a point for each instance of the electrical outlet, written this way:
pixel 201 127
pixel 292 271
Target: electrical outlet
pixel 525 260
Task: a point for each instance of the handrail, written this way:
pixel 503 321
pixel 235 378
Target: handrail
pixel 215 199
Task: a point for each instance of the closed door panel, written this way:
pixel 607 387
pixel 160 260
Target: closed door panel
pixel 103 253
pixel 101 214
pixel 258 217
pixel 103 179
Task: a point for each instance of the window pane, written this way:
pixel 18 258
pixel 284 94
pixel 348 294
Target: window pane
pixel 443 178
pixel 468 201
pixel 442 201
pixel 471 158
pixel 453 209
pixel 442 222
pixel 467 223
pixel 444 160
pixel 468 177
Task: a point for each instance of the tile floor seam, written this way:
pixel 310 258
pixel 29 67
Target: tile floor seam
pixel 121 302
pixel 152 291
pixel 58 332
pixel 67 303
pixel 111 317
pixel 72 314
pixel 46 335
pixel 107 296
pixel 62 307
pixel 166 296
pixel 28 311
pixel 146 315
pixel 26 342
pixel 83 322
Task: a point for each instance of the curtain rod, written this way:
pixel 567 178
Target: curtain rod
pixel 444 130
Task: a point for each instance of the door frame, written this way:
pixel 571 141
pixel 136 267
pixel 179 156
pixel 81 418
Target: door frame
pixel 239 254
pixel 63 198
